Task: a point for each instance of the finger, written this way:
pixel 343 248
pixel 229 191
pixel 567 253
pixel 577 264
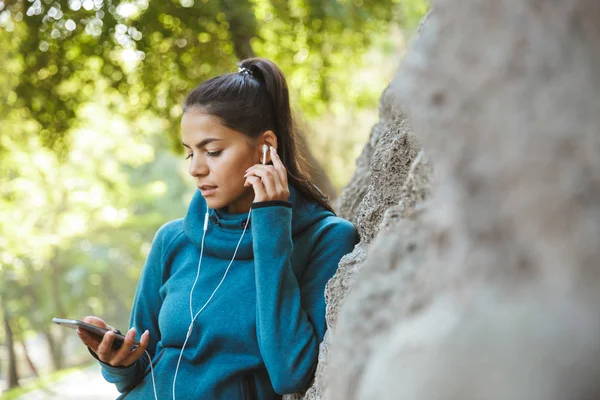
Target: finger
pixel 87 337
pixel 270 180
pixel 258 167
pixel 105 348
pixel 125 350
pixel 279 167
pixel 96 321
pixel 277 190
pixel 247 183
pixel 270 169
pixel 259 190
pixel 139 351
pixel 145 339
pixel 259 170
pixel 90 341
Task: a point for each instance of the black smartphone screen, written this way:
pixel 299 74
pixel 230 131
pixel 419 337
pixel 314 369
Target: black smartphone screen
pixel 94 330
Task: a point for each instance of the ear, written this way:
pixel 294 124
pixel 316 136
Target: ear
pixel 268 138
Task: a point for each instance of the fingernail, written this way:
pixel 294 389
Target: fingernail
pixel 272 148
pixel 146 333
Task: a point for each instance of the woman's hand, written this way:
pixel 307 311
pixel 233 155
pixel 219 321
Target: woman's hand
pixel 269 181
pixel 123 357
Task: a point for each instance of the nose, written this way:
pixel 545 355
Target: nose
pixel 197 167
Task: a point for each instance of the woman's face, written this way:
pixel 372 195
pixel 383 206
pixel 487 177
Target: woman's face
pixel 219 158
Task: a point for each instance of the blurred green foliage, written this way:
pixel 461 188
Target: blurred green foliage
pixel 91 93
pixel 63 50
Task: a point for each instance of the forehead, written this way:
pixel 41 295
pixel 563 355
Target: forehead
pixel 197 126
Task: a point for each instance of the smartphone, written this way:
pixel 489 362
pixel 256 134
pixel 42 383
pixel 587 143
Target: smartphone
pixel 93 329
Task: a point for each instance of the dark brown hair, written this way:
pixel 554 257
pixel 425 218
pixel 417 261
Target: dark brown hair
pixel 252 102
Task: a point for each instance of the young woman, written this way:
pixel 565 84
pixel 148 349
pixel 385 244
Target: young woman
pixel 230 303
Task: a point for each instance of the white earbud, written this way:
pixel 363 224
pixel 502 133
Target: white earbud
pixel 265 148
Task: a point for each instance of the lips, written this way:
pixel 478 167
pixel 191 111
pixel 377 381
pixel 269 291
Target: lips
pixel 206 187
pixel 207 190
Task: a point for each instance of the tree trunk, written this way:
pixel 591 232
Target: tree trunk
pixel 242 26
pixel 28 359
pixel 55 350
pixel 55 345
pixel 33 368
pixel 13 375
pixel 30 290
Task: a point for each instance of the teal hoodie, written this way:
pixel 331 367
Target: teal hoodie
pixel 259 336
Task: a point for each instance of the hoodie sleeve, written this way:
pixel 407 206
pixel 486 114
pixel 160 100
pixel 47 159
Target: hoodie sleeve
pixel 144 316
pixel 291 314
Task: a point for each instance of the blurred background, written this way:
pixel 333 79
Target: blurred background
pixel 90 157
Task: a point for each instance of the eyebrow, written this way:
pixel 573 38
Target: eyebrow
pixel 202 143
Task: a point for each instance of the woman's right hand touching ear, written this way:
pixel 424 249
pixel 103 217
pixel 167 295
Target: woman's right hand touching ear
pixel 122 357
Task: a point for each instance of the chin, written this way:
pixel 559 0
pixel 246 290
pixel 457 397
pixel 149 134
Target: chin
pixel 222 201
pixel 215 204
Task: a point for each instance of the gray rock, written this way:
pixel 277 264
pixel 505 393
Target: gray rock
pixel 486 284
pixel 352 195
pixel 390 124
pixel 381 289
pixel 390 164
pixel 391 154
pixel 491 291
pixel 377 185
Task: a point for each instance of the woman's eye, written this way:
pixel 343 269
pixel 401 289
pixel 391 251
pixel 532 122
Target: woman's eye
pixel 189 156
pixel 213 153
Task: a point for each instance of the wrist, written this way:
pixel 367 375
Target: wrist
pixel 271 203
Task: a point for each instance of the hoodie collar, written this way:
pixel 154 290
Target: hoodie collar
pixel 225 229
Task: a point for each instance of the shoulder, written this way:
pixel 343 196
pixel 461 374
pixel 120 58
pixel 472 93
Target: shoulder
pixel 334 228
pixel 169 233
pixel 328 231
pixel 322 224
pixel 329 240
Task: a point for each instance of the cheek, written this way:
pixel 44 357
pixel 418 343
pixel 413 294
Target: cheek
pixel 230 168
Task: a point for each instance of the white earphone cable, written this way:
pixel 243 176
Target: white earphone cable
pixel 191 327
pixel 152 372
pixel 199 262
pixel 192 316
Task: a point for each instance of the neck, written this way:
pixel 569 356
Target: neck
pixel 242 204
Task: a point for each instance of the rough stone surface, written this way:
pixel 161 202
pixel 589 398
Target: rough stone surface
pixel 353 193
pixel 381 289
pixel 491 290
pixel 484 282
pixel 390 124
pixel 390 163
pixel 377 184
